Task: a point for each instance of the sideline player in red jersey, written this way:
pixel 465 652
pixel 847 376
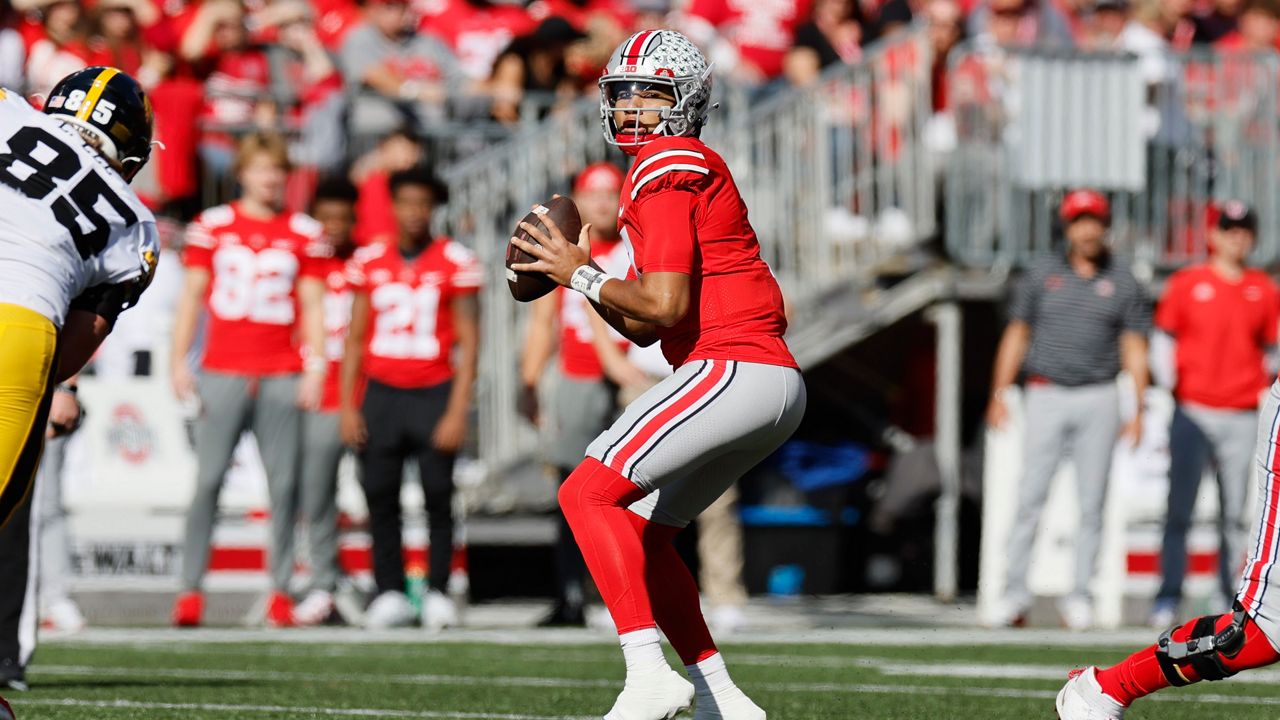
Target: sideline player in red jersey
pixel 415 299
pixel 333 206
pixel 1224 371
pixel 590 372
pixel 698 285
pixel 255 268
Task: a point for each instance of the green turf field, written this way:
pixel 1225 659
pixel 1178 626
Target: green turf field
pixel 201 679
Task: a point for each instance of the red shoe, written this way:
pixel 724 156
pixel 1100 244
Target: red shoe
pixel 188 609
pixel 279 610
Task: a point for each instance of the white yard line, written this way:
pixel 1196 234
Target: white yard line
pixel 858 637
pixel 289 710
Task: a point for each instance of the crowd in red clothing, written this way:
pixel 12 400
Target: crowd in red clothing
pixel 342 74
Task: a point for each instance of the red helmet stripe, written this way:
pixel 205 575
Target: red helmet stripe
pixel 636 46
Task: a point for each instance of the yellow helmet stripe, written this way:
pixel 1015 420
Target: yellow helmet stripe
pixel 95 92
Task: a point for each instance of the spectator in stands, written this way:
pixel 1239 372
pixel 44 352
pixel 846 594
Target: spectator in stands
pixel 1107 21
pixel 399 150
pixel 746 42
pixel 1020 23
pixel 476 30
pixel 833 34
pixel 236 80
pixel 1216 323
pixel 1076 319
pixel 13 49
pixel 414 334
pixel 592 366
pixel 1258 31
pixel 117 39
pixel 396 76
pixel 62 47
pixel 532 69
pixel 334 207
pixel 306 82
pixel 254 267
pixel 1220 19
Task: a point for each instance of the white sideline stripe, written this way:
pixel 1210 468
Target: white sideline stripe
pixel 287 710
pixel 857 637
pixel 424 679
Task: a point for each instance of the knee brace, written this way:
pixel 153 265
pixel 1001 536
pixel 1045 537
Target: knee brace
pixel 1206 649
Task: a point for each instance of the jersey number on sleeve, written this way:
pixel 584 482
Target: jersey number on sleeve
pixel 406 322
pixel 36 161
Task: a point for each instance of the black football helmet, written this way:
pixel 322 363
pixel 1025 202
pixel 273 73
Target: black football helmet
pixel 112 107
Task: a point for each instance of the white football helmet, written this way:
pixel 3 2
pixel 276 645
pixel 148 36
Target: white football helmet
pixel 665 59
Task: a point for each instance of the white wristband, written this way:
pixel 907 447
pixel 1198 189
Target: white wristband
pixel 588 281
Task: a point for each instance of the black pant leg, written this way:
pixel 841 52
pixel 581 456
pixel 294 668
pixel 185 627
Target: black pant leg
pixel 436 470
pixel 382 462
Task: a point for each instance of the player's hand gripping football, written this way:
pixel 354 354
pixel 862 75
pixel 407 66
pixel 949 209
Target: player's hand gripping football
pixel 557 257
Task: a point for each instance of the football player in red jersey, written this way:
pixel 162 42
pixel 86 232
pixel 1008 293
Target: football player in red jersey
pixel 414 301
pixel 590 372
pixel 333 206
pixel 254 267
pixel 698 285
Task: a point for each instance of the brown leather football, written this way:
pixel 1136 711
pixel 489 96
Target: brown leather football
pixel 526 286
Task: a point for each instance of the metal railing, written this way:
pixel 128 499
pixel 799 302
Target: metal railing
pixel 811 163
pixel 1164 136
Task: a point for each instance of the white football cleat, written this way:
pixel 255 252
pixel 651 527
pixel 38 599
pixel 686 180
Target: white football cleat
pixel 391 609
pixel 726 619
pixel 439 611
pixel 737 706
pixel 314 609
pixel 1077 613
pixel 657 696
pixel 63 615
pixel 1082 699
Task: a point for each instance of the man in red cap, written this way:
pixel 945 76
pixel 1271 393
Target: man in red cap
pixel 593 366
pixel 1221 318
pixel 1076 319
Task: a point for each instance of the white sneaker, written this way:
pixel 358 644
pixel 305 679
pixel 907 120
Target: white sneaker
pixel 439 611
pixel 63 615
pixel 1077 613
pixel 726 619
pixel 1004 613
pixel 658 696
pixel 391 609
pixel 1082 699
pixel 598 618
pixel 735 707
pixel 1164 613
pixel 314 609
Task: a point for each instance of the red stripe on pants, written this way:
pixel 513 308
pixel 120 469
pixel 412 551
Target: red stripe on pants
pixel 651 428
pixel 1253 583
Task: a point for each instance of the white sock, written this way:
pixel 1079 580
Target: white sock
pixel 642 650
pixel 711 677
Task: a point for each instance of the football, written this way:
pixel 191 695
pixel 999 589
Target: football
pixel 526 286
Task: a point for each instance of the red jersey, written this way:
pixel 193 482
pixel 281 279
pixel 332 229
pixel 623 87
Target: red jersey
pixel 681 212
pixel 410 314
pixel 337 318
pixel 1221 329
pixel 252 301
pixel 578 357
pixel 761 32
